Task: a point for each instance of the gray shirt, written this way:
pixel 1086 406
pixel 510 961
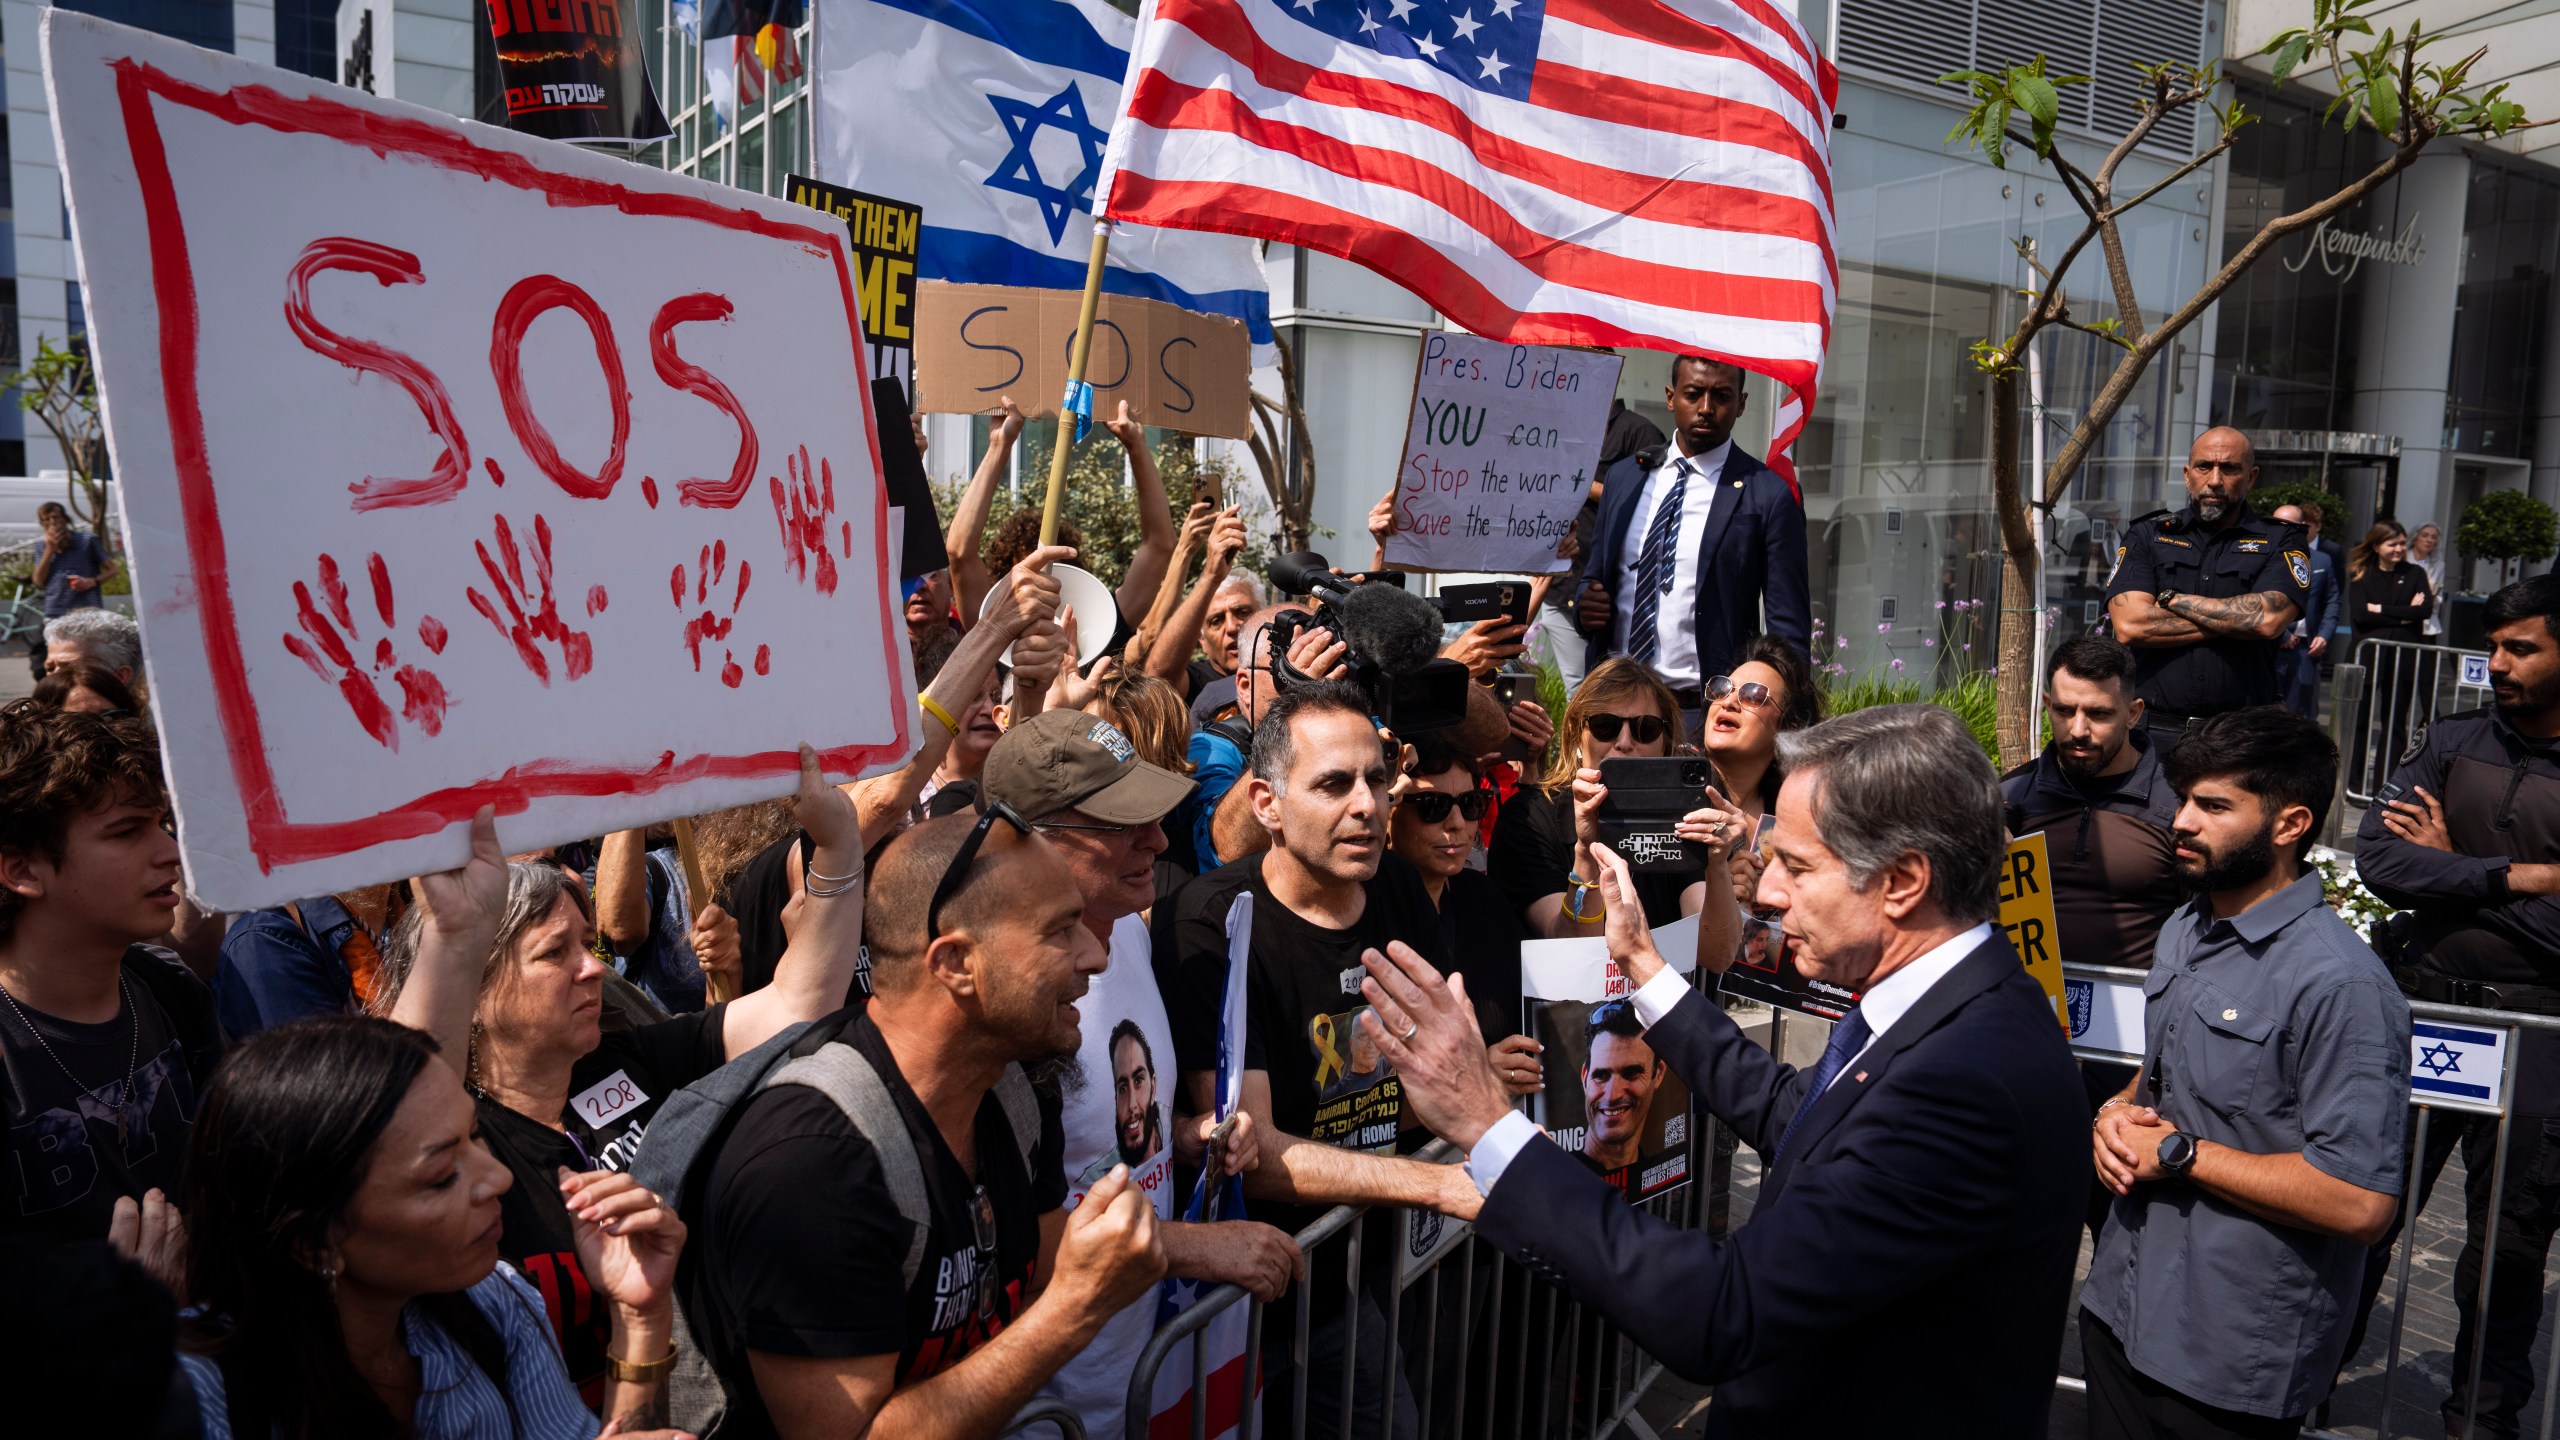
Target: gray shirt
pixel 2274 1032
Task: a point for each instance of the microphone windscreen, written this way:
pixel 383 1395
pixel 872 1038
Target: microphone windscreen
pixel 1397 630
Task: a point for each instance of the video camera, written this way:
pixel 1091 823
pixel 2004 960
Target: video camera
pixel 1393 638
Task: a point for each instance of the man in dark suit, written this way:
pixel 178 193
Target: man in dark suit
pixel 1693 538
pixel 1906 1269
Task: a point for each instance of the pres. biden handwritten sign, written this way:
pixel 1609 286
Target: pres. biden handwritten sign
pixel 1499 454
pixel 462 468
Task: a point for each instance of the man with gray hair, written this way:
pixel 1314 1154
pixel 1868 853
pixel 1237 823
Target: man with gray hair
pixel 105 636
pixel 1909 1261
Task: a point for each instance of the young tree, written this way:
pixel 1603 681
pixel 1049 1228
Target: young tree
pixel 2385 81
pixel 61 390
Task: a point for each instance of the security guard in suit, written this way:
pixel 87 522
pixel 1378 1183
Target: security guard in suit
pixel 2203 595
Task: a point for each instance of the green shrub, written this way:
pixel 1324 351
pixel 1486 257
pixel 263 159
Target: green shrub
pixel 2276 494
pixel 1975 699
pixel 2507 525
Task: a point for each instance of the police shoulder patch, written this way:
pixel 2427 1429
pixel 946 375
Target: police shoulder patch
pixel 2300 564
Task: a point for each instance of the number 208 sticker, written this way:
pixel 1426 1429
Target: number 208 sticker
pixel 609 1099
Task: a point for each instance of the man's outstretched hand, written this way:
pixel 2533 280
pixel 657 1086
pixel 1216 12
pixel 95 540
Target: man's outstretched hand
pixel 1424 1025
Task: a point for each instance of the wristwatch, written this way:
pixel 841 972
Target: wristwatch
pixel 2177 1154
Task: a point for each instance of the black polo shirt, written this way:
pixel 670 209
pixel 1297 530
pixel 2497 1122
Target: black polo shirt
pixel 2176 551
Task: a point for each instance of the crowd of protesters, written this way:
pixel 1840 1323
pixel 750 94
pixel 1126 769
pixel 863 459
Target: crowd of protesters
pixel 876 1110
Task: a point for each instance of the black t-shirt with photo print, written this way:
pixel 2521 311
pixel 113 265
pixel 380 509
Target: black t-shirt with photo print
pixel 797 1240
pixel 612 1094
pixel 67 1162
pixel 1302 1004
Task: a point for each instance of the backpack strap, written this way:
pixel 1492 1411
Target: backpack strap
pixel 1021 1112
pixel 845 1076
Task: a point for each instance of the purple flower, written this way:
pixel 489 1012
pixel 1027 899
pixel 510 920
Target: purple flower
pixel 1929 641
pixel 1885 628
pixel 1943 604
pixel 1968 645
pixel 1844 642
pixel 1897 664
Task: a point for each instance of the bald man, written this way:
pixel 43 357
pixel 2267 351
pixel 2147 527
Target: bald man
pixel 2204 595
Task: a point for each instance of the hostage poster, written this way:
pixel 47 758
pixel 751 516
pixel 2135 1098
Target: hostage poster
pixel 1609 1099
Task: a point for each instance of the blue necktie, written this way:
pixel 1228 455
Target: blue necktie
pixel 1847 1039
pixel 1654 567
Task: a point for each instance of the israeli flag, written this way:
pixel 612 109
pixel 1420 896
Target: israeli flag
pixel 992 115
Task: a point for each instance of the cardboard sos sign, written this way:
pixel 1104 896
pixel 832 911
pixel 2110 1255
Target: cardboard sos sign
pixel 463 468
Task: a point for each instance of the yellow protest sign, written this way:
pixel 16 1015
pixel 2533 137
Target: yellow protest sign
pixel 2026 913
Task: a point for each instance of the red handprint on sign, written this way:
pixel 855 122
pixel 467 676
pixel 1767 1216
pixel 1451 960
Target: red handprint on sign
pixel 333 641
pixel 711 568
pixel 533 612
pixel 804 508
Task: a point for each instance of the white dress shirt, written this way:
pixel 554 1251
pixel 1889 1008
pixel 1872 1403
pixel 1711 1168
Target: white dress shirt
pixel 1884 1005
pixel 1676 622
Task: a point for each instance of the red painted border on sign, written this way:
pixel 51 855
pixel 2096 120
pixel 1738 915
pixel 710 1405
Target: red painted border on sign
pixel 275 838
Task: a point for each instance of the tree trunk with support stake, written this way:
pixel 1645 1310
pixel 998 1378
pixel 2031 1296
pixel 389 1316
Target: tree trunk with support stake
pixel 2409 101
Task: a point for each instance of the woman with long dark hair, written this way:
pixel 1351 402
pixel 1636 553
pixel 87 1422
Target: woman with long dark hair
pixel 343 1256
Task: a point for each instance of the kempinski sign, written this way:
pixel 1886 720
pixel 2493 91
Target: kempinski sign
pixel 2343 252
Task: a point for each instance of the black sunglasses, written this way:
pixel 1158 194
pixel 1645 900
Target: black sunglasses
pixel 1754 694
pixel 1433 806
pixel 982 1219
pixel 957 873
pixel 1604 727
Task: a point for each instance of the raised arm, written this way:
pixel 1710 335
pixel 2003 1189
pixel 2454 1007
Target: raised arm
pixel 1155 522
pixel 458 927
pixel 622 891
pixel 884 800
pixel 816 970
pixel 969 578
pixel 1169 653
pixel 1186 547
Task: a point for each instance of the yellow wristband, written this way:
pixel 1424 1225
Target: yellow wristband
pixel 934 708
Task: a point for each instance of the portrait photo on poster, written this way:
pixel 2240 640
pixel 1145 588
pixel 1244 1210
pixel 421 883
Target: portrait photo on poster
pixel 1609 1098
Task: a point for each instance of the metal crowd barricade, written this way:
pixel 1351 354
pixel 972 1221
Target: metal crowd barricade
pixel 2105 1008
pixel 2409 686
pixel 1556 1369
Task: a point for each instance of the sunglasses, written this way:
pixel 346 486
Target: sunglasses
pixel 982 1218
pixel 1753 693
pixel 957 873
pixel 1433 806
pixel 1646 728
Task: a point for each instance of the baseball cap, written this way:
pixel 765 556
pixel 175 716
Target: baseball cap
pixel 1066 759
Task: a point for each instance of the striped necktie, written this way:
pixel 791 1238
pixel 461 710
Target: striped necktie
pixel 1655 565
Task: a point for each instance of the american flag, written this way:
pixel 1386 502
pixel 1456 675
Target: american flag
pixel 1585 172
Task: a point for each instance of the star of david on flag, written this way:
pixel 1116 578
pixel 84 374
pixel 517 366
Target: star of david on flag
pixel 994 118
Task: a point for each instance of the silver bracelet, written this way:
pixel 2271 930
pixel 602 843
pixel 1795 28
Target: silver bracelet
pixel 828 887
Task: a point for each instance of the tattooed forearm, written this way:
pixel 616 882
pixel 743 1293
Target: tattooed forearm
pixel 649 1412
pixel 2139 620
pixel 2264 613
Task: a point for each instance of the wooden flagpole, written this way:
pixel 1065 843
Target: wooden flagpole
pixel 1075 377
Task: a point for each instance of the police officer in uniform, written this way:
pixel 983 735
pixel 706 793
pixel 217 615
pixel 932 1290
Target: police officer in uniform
pixel 2204 594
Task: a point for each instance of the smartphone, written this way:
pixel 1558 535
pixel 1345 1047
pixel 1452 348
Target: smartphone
pixel 1499 599
pixel 1646 799
pixel 1507 688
